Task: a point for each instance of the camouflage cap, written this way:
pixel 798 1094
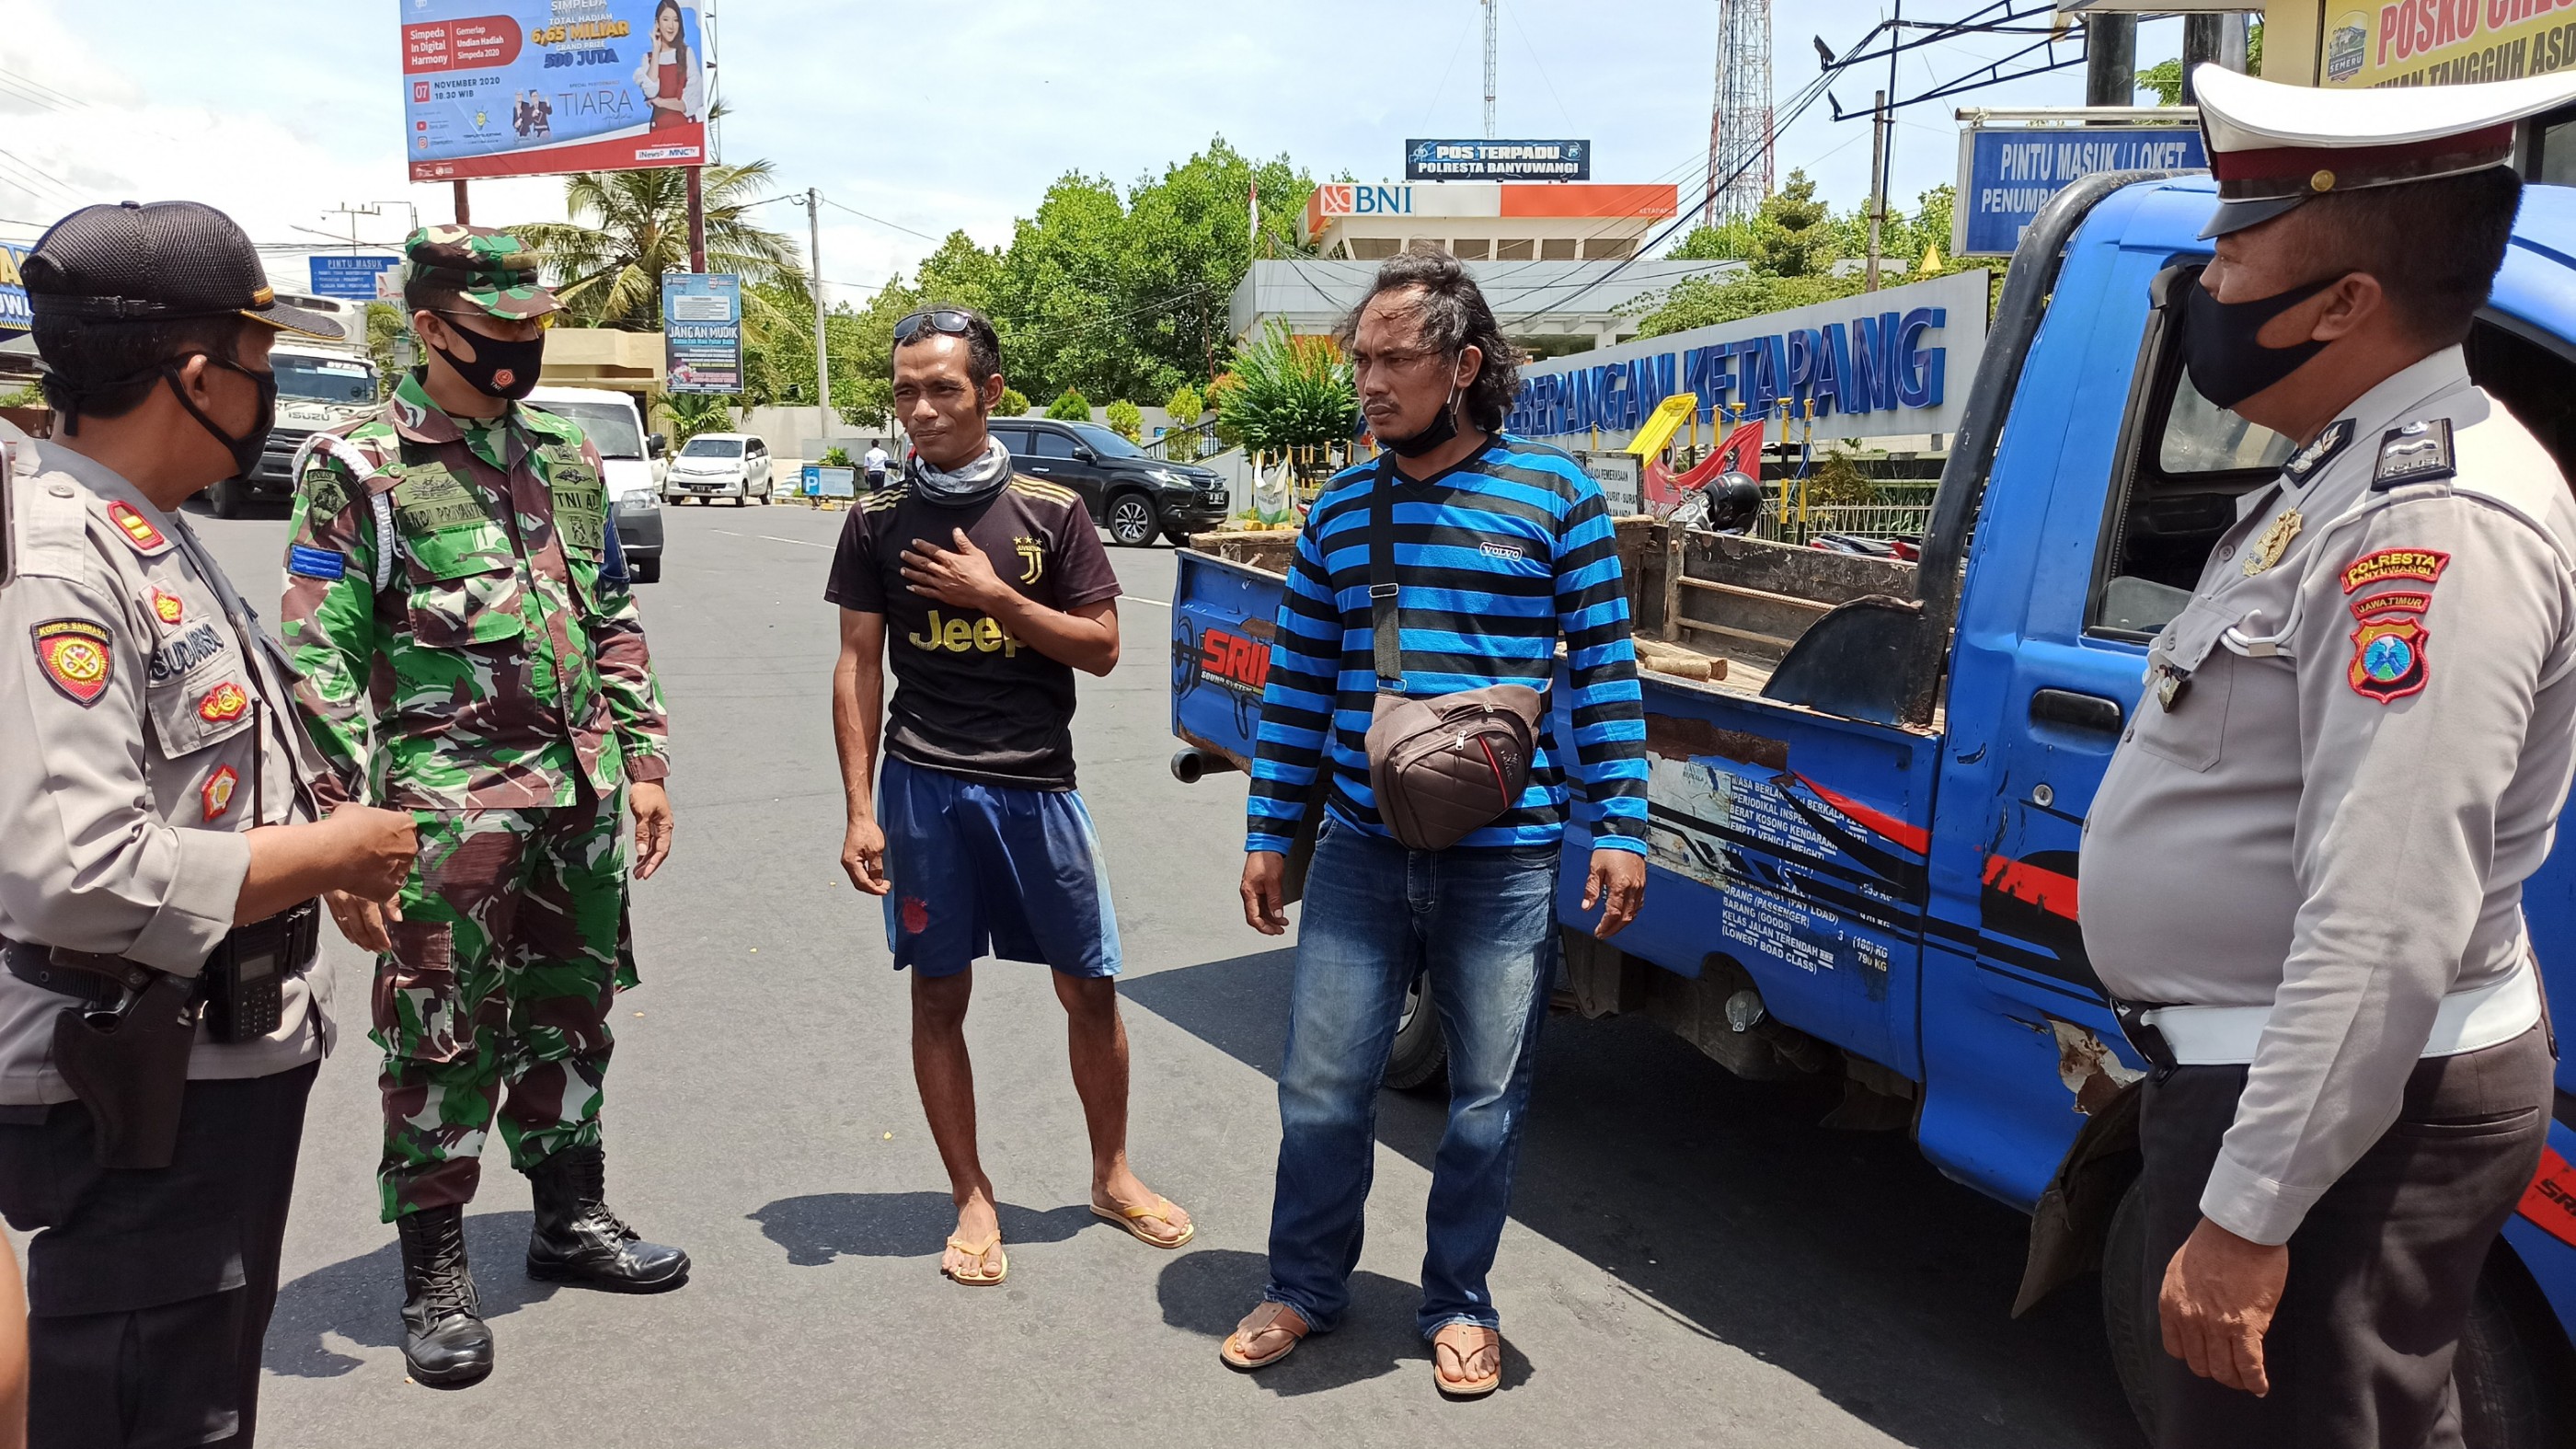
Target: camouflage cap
pixel 487 268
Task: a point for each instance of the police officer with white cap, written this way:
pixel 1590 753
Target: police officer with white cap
pixel 2303 872
pixel 159 853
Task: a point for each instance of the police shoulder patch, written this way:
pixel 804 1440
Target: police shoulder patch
pixel 76 658
pixel 2419 452
pixel 2395 563
pixel 2388 658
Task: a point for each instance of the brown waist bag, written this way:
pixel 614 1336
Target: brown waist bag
pixel 1444 767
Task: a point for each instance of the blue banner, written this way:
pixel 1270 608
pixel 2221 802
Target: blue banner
pixel 702 332
pixel 1497 160
pixel 14 316
pixel 2008 174
pixel 343 275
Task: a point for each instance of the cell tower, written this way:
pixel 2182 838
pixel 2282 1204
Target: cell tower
pixel 1493 12
pixel 1739 124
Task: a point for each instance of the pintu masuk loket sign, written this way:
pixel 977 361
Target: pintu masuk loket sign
pixel 1877 364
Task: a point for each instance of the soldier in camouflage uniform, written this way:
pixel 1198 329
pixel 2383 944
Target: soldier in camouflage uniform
pixel 458 605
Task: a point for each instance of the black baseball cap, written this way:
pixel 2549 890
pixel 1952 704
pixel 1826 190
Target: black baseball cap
pixel 153 262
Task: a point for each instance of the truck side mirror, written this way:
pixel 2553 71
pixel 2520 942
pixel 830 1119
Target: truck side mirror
pixel 657 445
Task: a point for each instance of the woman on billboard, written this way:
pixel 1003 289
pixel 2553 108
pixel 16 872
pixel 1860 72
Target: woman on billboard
pixel 668 73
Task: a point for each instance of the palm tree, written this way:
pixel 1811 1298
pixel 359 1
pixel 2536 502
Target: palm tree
pixel 630 227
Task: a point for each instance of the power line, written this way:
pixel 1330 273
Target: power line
pixel 881 221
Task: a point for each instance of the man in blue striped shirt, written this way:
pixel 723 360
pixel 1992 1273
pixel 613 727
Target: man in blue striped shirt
pixel 1503 550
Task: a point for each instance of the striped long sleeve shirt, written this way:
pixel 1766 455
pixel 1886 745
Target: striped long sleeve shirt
pixel 1498 559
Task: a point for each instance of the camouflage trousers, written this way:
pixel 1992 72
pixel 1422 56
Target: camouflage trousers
pixel 510 952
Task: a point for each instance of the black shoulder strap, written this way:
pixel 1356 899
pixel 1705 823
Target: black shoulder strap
pixel 1384 624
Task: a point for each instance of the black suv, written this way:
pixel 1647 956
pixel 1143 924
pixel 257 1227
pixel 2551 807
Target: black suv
pixel 1132 495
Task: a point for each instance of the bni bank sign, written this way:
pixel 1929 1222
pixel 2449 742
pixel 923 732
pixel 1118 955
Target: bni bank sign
pixel 1878 364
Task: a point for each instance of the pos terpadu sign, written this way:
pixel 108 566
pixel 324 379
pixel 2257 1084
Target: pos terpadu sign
pixel 1878 364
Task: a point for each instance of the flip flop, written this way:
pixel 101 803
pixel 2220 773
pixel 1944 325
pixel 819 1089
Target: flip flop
pixel 991 1245
pixel 1259 1321
pixel 1479 1338
pixel 1131 1219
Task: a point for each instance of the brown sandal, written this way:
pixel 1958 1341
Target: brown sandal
pixel 1268 1318
pixel 1470 1341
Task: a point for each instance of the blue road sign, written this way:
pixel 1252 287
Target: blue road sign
pixel 343 275
pixel 2006 174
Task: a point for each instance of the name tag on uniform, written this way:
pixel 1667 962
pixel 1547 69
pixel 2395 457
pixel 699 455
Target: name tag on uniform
pixel 315 563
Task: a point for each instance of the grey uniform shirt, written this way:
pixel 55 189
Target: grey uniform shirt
pixel 2344 766
pixel 141 740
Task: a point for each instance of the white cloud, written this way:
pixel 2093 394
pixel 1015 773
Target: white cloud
pixel 936 114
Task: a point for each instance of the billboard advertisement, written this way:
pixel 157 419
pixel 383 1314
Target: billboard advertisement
pixel 532 87
pixel 701 332
pixel 1497 160
pixel 355 277
pixel 14 316
pixel 2443 42
pixel 2007 173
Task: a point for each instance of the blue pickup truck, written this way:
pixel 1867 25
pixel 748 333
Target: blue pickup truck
pixel 1865 822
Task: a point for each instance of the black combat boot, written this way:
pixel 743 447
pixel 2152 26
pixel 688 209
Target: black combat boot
pixel 578 1240
pixel 444 1341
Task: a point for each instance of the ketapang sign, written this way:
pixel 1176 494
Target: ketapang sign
pixel 1877 364
pixel 533 87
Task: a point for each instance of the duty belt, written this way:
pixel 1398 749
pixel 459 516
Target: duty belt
pixel 2200 1036
pixel 101 981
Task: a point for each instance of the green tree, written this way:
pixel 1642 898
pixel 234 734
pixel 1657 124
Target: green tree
pixel 692 413
pixel 1289 393
pixel 1070 407
pixel 2165 76
pixel 630 227
pixel 1791 235
pixel 1014 404
pixel 1184 405
pixel 1126 420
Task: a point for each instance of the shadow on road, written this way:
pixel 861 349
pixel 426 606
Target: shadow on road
pixel 815 1230
pixel 1209 1292
pixel 360 1298
pixel 1843 1258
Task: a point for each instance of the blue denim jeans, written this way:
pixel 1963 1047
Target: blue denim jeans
pixel 1484 923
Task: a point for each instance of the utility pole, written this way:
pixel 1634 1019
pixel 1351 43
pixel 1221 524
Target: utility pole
pixel 2110 60
pixel 353 213
pixel 822 352
pixel 2212 39
pixel 464 212
pixel 1879 118
pixel 1493 15
pixel 697 220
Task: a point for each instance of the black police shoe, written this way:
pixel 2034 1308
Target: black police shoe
pixel 578 1240
pixel 444 1341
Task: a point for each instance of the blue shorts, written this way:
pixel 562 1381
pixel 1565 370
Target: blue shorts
pixel 995 870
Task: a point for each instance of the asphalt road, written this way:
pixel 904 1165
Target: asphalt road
pixel 1690 1259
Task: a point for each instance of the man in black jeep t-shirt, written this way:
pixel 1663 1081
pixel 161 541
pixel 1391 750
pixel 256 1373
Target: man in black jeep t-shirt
pixel 989 590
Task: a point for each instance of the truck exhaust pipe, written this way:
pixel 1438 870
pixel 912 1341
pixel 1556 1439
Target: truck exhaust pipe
pixel 1193 764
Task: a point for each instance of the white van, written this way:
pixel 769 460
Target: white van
pixel 616 429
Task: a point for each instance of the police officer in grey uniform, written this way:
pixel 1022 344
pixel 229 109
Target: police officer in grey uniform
pixel 160 1023
pixel 2303 872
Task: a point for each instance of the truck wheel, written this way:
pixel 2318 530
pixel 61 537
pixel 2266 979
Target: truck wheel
pixel 645 570
pixel 1131 520
pixel 2128 1311
pixel 2505 1402
pixel 226 498
pixel 1420 1051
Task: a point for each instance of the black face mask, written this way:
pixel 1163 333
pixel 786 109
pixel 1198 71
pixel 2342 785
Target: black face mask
pixel 2219 347
pixel 501 368
pixel 246 448
pixel 1441 430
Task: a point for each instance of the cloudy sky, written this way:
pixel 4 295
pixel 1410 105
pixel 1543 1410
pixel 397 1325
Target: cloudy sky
pixel 937 114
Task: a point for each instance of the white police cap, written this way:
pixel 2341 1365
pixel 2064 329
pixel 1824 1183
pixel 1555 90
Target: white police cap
pixel 2273 146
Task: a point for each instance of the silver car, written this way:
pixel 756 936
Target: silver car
pixel 719 465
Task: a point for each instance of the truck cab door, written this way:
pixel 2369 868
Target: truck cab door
pixel 2113 480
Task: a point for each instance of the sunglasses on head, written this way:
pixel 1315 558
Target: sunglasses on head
pixel 937 319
